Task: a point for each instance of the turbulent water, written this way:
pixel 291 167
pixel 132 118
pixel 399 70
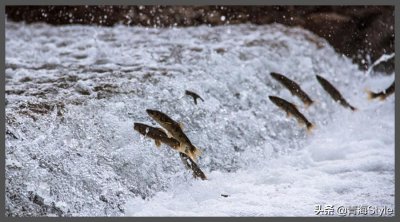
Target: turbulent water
pixel 74 92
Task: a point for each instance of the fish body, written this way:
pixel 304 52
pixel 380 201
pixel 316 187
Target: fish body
pixel 190 164
pixel 383 94
pixel 174 130
pixel 334 93
pixel 291 109
pixel 194 95
pixel 157 134
pixel 293 87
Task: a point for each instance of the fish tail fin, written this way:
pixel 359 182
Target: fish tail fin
pixel 310 127
pixel 353 108
pixel 382 97
pixel 316 102
pixel 308 104
pixel 158 143
pixel 191 156
pixel 371 95
pixel 194 153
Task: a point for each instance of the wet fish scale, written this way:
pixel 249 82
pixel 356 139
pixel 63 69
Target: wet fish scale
pixel 293 87
pixel 333 92
pixel 290 108
pixel 176 132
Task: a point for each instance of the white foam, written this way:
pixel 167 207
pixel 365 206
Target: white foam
pixel 265 162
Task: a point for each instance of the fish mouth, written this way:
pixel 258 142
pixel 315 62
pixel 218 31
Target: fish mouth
pixel 151 112
pixel 274 74
pixel 318 77
pixel 272 98
pixel 137 126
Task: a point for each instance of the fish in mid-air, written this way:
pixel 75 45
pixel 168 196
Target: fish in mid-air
pixel 157 134
pixel 383 94
pixel 194 95
pixel 291 109
pixel 334 93
pixel 190 164
pixel 174 129
pixel 159 137
pixel 293 87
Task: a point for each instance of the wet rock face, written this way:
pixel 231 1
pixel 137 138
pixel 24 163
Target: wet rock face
pixel 357 33
pixel 363 33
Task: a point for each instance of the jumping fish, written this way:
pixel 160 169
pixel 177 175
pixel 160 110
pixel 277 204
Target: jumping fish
pixel 157 134
pixel 293 87
pixel 159 137
pixel 194 96
pixel 383 94
pixel 174 129
pixel 291 109
pixel 190 164
pixel 334 93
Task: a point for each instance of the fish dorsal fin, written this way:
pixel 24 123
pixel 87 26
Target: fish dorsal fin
pixel 310 129
pixel 315 101
pixel 158 143
pixel 198 151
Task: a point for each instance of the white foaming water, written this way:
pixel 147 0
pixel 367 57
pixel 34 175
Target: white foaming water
pixel 265 162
